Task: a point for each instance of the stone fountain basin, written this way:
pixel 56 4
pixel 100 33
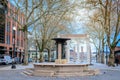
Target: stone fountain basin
pixel 53 69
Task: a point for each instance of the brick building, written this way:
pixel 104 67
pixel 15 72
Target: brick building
pixel 6 30
pixel 117 53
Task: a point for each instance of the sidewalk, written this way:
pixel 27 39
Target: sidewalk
pixel 104 67
pixel 18 67
pixel 94 66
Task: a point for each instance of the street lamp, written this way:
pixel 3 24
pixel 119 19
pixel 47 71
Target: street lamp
pixel 36 52
pixel 106 54
pixel 13 62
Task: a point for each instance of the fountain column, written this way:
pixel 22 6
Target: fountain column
pixel 68 52
pixel 60 50
pixel 78 52
pixel 88 50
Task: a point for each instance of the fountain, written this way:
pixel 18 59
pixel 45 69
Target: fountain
pixel 61 67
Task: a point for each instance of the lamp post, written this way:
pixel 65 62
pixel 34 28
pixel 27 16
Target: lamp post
pixel 13 62
pixel 36 53
pixel 106 54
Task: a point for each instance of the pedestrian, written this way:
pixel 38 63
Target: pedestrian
pixel 116 61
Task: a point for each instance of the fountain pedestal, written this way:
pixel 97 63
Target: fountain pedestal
pixel 61 61
pixel 52 69
pixel 61 50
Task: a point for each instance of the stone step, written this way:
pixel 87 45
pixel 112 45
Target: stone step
pixel 72 71
pixel 71 74
pixel 29 69
pixel 43 73
pixel 68 71
pixel 28 73
pixel 77 73
pixel 61 73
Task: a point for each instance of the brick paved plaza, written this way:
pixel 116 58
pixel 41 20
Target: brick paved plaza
pixel 18 75
pixel 106 73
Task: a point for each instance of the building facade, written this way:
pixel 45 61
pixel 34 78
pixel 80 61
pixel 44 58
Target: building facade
pixel 117 53
pixel 6 30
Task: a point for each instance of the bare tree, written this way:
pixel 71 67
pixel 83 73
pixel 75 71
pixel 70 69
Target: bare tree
pixel 96 33
pixel 52 23
pixel 34 10
pixel 109 17
pixel 27 8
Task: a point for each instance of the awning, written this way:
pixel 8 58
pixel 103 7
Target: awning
pixel 118 51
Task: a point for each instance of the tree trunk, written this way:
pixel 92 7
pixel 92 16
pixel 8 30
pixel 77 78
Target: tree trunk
pixel 98 57
pixel 49 51
pixel 25 47
pixel 102 56
pixel 111 58
pixel 41 57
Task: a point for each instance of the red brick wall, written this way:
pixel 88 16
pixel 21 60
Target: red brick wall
pixel 19 36
pixel 117 48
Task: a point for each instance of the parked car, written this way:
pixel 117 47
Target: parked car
pixel 30 60
pixel 5 59
pixel 16 60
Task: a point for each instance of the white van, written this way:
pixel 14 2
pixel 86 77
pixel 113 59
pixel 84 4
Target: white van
pixel 5 59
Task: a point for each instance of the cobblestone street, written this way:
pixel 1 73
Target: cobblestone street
pixel 18 75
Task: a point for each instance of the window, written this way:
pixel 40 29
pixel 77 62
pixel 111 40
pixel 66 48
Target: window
pixel 21 43
pixel 8 39
pixel 18 32
pixel 18 42
pixel 8 27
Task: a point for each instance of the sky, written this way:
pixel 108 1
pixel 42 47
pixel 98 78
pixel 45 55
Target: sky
pixel 119 41
pixel 78 21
